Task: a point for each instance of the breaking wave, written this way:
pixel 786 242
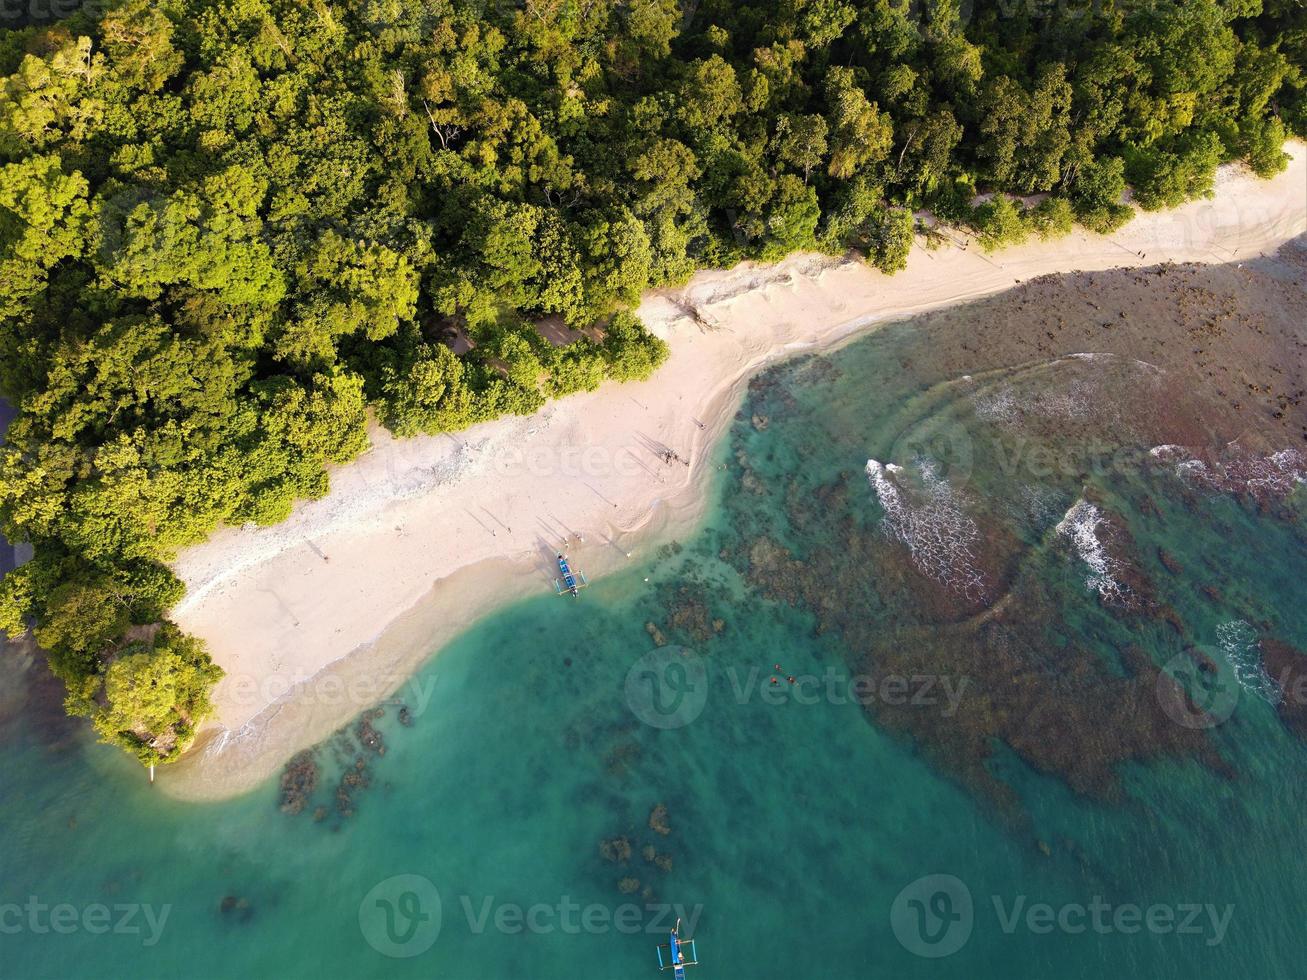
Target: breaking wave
pixel 1263 477
pixel 940 537
pixel 1238 641
pixel 1082 524
pixel 1071 402
pixel 1067 389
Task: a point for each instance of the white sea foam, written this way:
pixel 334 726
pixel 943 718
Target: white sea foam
pixel 1167 451
pixel 1073 402
pixel 940 536
pixel 998 406
pixel 1081 524
pixel 1278 473
pixel 1058 396
pixel 1238 641
pixel 1273 475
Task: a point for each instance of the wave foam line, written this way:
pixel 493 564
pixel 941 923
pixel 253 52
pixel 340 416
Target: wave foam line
pixel 939 535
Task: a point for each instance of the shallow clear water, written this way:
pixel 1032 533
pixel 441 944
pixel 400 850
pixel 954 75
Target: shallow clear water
pixel 1012 736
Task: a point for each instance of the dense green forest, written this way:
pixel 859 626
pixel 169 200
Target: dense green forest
pixel 230 230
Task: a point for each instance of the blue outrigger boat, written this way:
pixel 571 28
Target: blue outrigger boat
pixel 572 582
pixel 680 954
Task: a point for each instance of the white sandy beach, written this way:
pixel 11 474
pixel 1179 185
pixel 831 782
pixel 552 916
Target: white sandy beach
pixel 317 618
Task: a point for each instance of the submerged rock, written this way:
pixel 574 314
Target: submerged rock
pixel 623 756
pixel 1168 562
pixel 367 735
pixel 298 781
pixel 616 849
pixel 658 820
pixel 689 614
pixel 1286 667
pixel 344 802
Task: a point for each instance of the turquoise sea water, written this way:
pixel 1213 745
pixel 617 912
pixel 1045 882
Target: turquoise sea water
pixel 987 764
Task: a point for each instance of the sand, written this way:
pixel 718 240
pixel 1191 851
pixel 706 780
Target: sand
pixel 320 617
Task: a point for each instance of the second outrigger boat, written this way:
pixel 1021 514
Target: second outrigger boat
pixel 572 582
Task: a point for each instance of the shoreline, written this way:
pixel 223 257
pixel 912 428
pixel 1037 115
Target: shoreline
pixel 320 617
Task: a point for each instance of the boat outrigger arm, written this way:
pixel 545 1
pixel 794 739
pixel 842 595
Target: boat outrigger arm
pixel 680 954
pixel 572 582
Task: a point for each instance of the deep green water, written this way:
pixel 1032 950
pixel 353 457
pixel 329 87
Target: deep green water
pixel 801 822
